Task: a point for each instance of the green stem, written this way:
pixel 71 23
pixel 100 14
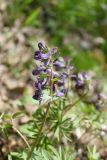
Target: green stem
pixel 39 136
pixel 68 107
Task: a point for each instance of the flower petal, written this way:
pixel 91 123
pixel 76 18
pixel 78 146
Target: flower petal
pixel 58 93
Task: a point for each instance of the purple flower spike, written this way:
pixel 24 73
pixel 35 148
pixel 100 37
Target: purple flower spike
pixel 58 93
pixel 47 69
pixel 80 84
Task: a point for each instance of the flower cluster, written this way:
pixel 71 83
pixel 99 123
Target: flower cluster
pixel 49 72
pixel 100 101
pixel 57 75
pixel 82 82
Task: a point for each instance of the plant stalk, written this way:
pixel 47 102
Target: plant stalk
pixel 24 139
pixel 36 143
pixel 39 136
pixel 68 107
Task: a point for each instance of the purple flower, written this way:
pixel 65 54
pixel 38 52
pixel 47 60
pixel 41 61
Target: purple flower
pixel 58 93
pixel 44 82
pixel 38 70
pixel 47 71
pixel 41 55
pixel 74 77
pixel 80 84
pixel 37 55
pixel 85 76
pixel 59 63
pixel 55 74
pixel 48 55
pixel 38 91
pixel 39 85
pixel 62 79
pixel 37 95
pixel 60 82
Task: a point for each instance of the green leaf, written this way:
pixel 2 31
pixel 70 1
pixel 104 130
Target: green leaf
pixel 28 100
pixel 9 157
pixel 6 129
pixel 18 114
pixel 46 155
pixel 32 19
pixel 26 129
pixel 7 117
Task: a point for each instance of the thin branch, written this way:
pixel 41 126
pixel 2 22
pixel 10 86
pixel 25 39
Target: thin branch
pixel 40 131
pixel 24 139
pixel 68 107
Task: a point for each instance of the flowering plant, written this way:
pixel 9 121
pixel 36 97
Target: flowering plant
pixel 53 122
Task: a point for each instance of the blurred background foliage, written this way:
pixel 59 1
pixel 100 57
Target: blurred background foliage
pixel 77 27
